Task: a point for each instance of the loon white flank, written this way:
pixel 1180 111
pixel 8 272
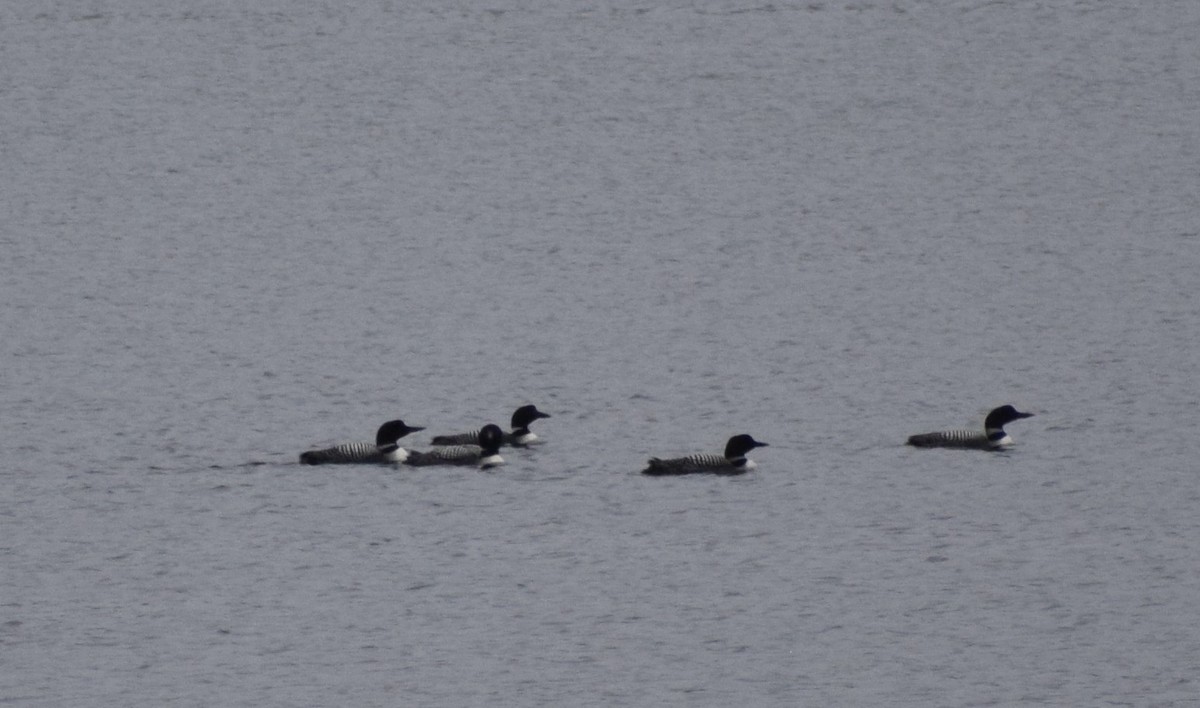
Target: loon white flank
pixel 992 437
pixel 518 437
pixel 385 450
pixel 485 455
pixel 733 462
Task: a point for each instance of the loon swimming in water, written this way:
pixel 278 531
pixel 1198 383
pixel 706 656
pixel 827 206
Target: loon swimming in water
pixel 733 462
pixel 518 437
pixel 385 450
pixel 992 437
pixel 486 454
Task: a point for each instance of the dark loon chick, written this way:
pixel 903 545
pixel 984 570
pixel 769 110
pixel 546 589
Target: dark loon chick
pixel 485 455
pixel 992 437
pixel 518 437
pixel 385 449
pixel 733 462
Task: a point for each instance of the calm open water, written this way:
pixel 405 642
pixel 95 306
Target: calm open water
pixel 233 233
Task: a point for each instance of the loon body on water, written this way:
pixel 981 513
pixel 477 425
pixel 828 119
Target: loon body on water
pixel 992 437
pixel 733 462
pixel 485 455
pixel 385 450
pixel 518 437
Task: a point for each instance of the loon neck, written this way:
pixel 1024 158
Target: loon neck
pixel 521 437
pixel 999 438
pixel 393 453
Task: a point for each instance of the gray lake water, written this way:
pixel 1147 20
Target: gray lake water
pixel 236 231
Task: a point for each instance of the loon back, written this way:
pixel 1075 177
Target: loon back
pixel 354 453
pixel 969 439
pixel 513 439
pixel 471 438
pixel 703 463
pixel 449 455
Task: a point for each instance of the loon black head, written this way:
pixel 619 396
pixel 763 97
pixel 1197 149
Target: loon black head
pixel 490 438
pixel 739 445
pixel 392 431
pixel 999 417
pixel 523 416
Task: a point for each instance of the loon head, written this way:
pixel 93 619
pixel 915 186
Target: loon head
pixel 523 416
pixel 392 431
pixel 739 445
pixel 490 439
pixel 999 417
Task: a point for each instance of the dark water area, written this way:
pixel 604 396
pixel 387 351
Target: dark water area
pixel 234 234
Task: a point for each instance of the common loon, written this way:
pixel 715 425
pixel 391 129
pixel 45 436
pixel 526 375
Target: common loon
pixel 518 437
pixel 385 449
pixel 992 437
pixel 733 462
pixel 486 454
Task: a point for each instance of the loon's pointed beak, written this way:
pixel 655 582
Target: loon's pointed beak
pixel 414 428
pixel 1024 415
pixel 760 444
